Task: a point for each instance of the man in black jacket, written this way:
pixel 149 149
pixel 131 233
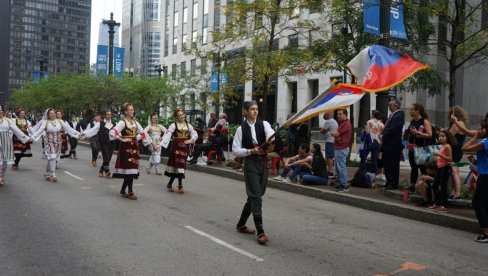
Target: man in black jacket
pixel 392 146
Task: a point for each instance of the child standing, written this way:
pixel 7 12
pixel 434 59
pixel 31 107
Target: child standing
pixel 444 158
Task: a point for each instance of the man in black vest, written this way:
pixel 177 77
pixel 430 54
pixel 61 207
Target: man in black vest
pixel 73 142
pixel 100 131
pixel 106 146
pixel 94 143
pixel 248 138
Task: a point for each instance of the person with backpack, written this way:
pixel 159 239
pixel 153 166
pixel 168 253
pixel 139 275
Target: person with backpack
pixel 419 135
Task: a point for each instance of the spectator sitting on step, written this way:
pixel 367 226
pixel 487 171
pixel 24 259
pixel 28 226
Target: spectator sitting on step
pixel 216 140
pixel 425 184
pixel 297 164
pixel 318 170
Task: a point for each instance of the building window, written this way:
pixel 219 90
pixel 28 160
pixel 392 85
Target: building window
pixel 193 67
pixel 258 21
pixel 173 71
pixel 216 24
pixel 185 15
pixel 195 10
pixel 294 93
pixel 184 41
pixel 183 69
pixel 205 36
pixel 295 9
pixel 205 6
pixel 152 10
pixel 293 40
pixel 175 23
pixel 175 45
pixel 203 66
pixel 194 36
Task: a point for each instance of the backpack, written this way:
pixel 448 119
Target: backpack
pixel 357 180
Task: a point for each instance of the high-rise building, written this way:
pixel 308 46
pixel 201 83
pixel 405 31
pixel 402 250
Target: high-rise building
pixel 103 37
pixel 46 36
pixel 141 35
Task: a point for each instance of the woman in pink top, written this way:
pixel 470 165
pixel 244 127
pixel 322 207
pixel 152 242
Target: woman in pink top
pixel 444 159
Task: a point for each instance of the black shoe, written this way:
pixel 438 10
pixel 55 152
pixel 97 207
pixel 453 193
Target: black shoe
pixel 423 203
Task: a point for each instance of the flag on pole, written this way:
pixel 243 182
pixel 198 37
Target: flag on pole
pixel 378 68
pixel 339 96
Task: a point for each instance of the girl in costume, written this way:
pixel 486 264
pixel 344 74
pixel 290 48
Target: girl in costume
pixel 51 129
pixel 128 131
pixel 182 135
pixel 155 132
pixel 7 127
pixel 21 149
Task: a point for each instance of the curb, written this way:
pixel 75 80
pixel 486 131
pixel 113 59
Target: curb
pixel 399 210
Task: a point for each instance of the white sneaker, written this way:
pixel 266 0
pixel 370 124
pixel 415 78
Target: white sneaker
pixel 278 178
pixel 287 180
pixel 381 177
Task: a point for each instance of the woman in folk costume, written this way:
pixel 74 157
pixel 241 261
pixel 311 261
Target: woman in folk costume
pixel 50 128
pixel 64 137
pixel 128 131
pixel 182 134
pixel 155 132
pixel 7 126
pixel 21 149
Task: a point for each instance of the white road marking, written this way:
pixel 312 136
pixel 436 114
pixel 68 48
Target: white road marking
pixel 74 176
pixel 223 243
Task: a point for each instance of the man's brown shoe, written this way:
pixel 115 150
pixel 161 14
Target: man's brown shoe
pixel 132 196
pixel 263 239
pixel 245 230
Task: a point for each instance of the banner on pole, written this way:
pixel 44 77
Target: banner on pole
pixel 118 62
pixel 371 18
pixel 102 60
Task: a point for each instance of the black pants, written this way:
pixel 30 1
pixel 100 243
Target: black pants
pixel 480 200
pixel 72 144
pixel 95 147
pixel 256 179
pixel 391 163
pixel 440 185
pixel 414 173
pixel 107 151
pixel 199 149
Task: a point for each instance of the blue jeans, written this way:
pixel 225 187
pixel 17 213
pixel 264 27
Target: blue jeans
pixel 314 180
pixel 297 170
pixel 341 169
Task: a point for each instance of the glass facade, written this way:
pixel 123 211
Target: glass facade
pixel 54 33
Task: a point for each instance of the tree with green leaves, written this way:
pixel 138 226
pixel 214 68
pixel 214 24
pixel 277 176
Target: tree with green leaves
pixel 260 24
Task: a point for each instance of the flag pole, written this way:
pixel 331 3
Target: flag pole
pixel 301 111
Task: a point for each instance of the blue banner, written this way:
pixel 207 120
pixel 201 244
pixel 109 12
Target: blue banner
pixel 38 75
pixel 397 26
pixel 102 60
pixel 214 83
pixel 371 18
pixel 118 62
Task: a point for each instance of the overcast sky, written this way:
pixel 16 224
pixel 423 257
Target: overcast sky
pixel 101 9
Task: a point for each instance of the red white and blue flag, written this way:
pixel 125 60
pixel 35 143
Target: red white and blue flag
pixel 376 67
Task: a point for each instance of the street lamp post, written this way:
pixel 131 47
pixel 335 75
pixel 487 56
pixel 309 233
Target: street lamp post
pixel 41 61
pixel 382 97
pixel 159 69
pixel 111 25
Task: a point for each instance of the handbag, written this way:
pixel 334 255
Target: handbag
pixel 424 154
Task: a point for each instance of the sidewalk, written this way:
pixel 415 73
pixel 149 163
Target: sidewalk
pixel 376 199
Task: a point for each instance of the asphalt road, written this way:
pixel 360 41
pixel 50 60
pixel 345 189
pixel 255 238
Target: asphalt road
pixel 81 226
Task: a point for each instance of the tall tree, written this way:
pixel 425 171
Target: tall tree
pixel 259 23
